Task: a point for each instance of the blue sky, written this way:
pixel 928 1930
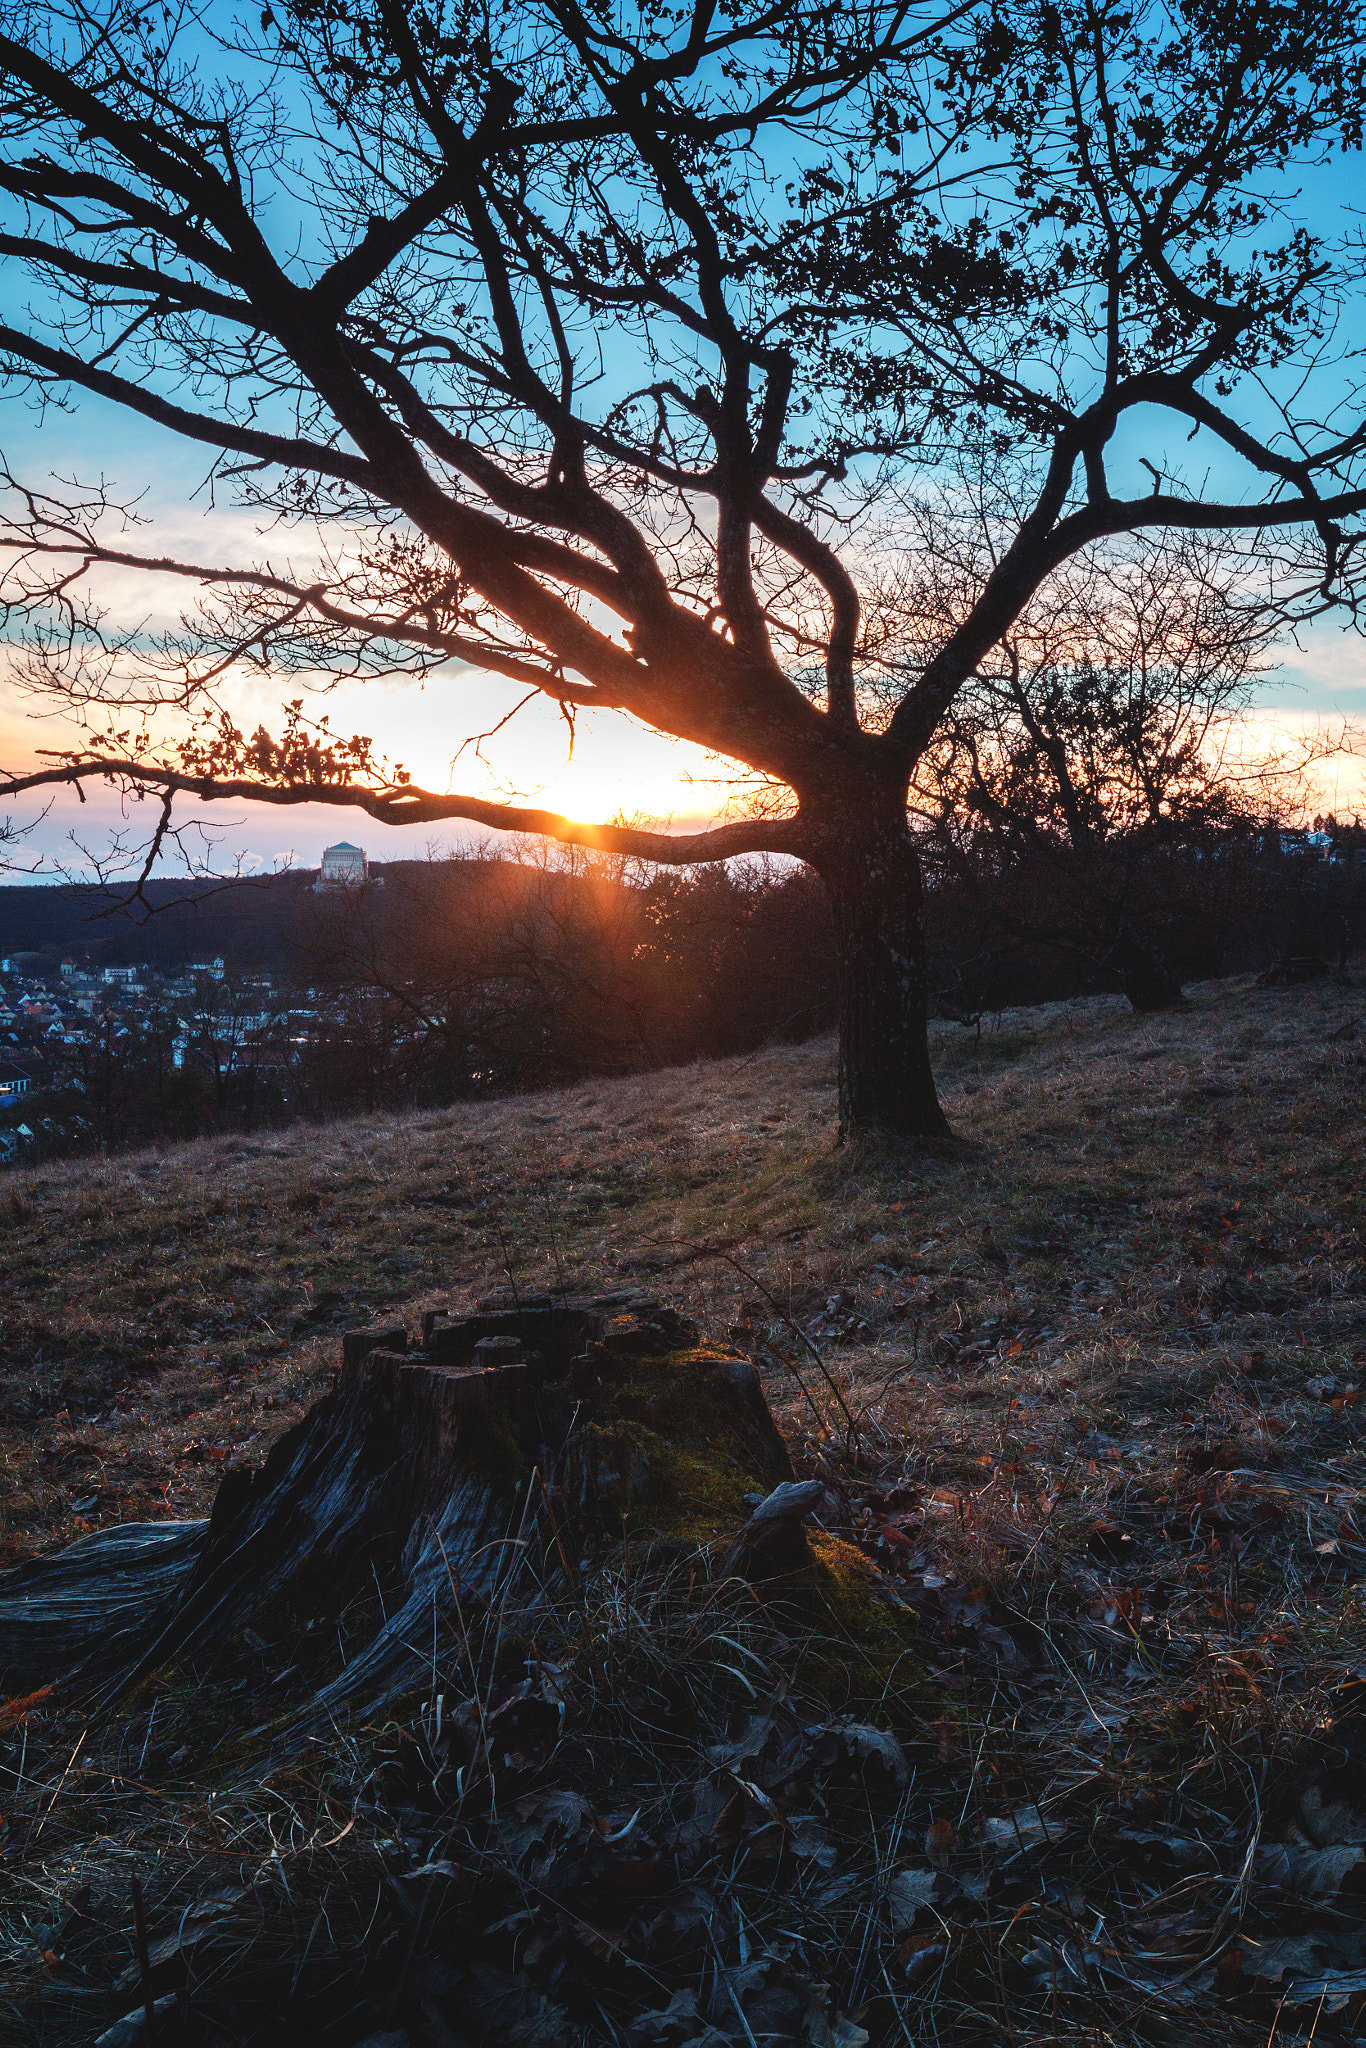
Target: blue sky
pixel 618 767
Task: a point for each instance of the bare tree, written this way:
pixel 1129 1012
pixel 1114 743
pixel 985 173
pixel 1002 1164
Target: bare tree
pixel 572 345
pixel 484 973
pixel 476 974
pixel 1098 789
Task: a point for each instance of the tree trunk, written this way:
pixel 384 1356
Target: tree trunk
pixel 871 871
pixel 1145 974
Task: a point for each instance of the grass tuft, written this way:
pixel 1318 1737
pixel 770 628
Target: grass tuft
pixel 1085 1390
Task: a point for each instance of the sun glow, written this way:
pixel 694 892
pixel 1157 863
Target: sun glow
pixel 461 731
pixel 605 764
pixel 464 731
pixel 1334 783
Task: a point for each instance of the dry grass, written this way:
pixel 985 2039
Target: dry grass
pixel 1103 1366
pixel 1136 1188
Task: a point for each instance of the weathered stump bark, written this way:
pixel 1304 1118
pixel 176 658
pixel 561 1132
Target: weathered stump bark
pixel 429 1476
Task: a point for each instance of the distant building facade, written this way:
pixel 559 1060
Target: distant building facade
pixel 343 867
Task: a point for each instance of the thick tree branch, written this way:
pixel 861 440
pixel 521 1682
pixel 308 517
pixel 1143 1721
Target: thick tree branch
pixel 1041 546
pixel 160 157
pixel 412 806
pixel 157 285
pixel 635 579
pixel 821 562
pixel 289 452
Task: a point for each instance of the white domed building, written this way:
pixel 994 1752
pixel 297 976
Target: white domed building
pixel 343 867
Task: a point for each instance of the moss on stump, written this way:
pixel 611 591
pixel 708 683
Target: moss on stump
pixel 428 1479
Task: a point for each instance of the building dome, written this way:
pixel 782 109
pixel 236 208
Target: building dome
pixel 343 866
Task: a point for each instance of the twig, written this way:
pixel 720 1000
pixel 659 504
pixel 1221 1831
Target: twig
pixel 144 1960
pixel 142 1758
pixel 507 1261
pixel 58 1793
pixel 554 1241
pixel 710 1252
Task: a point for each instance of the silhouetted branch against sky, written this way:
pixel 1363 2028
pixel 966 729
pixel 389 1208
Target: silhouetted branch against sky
pixel 594 348
pixel 588 340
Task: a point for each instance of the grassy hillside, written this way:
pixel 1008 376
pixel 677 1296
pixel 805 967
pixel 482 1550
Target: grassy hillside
pixel 255 923
pixel 1135 1189
pixel 1086 1389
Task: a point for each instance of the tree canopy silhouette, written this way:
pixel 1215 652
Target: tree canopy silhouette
pixel 581 344
pixel 1096 789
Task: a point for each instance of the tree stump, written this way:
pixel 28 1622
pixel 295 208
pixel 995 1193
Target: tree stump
pixel 435 1477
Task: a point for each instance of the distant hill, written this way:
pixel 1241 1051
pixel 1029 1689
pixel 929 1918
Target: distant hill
pixel 254 924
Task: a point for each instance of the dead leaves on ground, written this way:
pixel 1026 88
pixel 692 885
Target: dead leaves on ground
pixel 709 1917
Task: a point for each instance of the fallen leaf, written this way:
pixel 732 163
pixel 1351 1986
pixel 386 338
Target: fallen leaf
pixel 1317 1873
pixel 1023 1829
pixel 1268 1961
pixel 919 1960
pixel 507 2007
pixel 909 1893
pixel 1329 1991
pixel 940 1838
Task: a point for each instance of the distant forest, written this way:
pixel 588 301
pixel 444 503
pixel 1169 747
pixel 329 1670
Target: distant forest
pixel 254 924
pixel 442 980
pixel 1001 930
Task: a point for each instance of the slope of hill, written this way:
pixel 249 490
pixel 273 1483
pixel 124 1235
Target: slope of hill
pixel 258 922
pixel 252 924
pixel 1086 1390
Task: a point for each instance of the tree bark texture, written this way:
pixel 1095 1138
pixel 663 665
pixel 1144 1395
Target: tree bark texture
pixel 1146 976
pixel 871 872
pixel 453 1481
